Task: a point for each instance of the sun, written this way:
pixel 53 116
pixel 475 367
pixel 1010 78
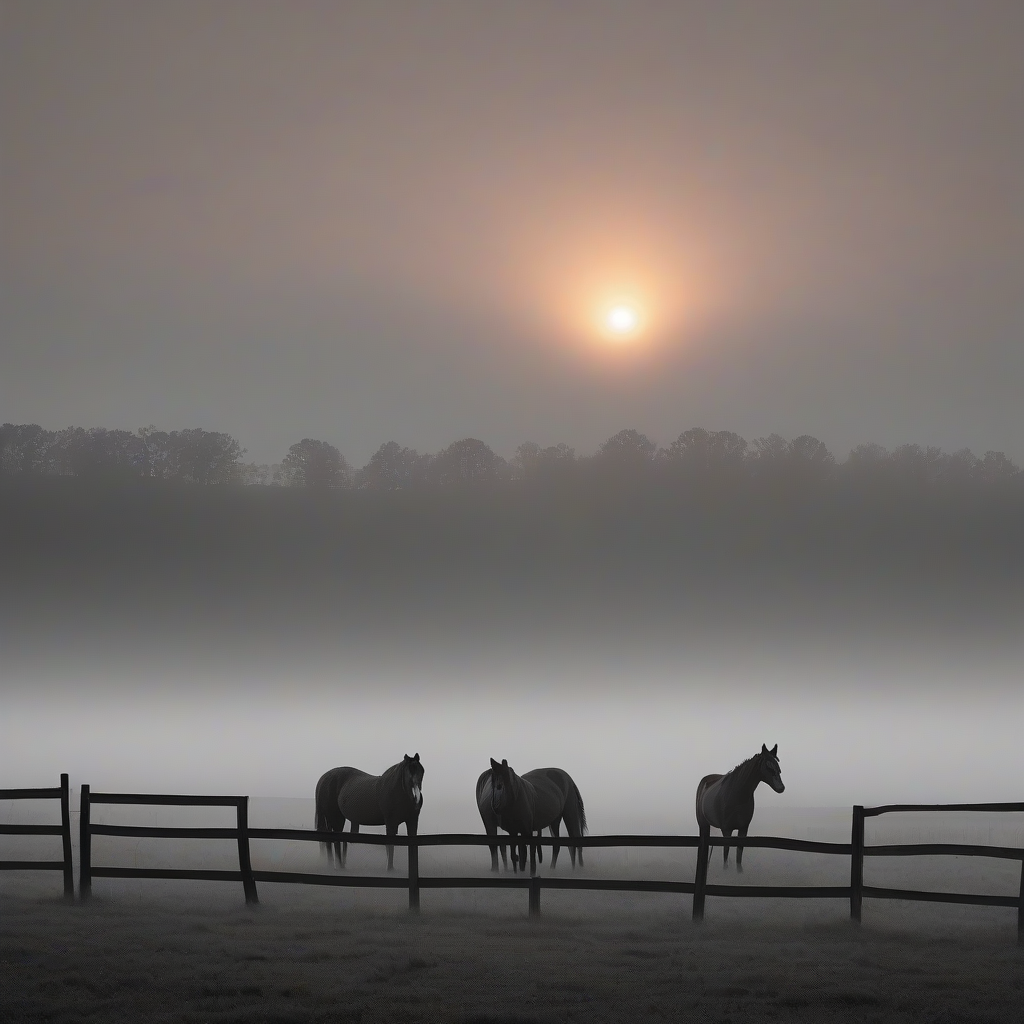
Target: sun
pixel 622 320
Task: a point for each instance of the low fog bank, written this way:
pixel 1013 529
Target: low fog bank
pixel 246 641
pixel 635 746
pixel 101 575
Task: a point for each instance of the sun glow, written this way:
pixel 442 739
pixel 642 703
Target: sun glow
pixel 622 320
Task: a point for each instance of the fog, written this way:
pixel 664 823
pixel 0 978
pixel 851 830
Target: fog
pixel 636 741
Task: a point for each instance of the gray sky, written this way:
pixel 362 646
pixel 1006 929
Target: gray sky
pixel 374 221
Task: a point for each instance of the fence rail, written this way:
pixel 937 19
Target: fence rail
pixel 858 889
pixel 240 833
pixel 699 888
pixel 61 793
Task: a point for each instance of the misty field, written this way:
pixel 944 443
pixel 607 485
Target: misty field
pixel 182 951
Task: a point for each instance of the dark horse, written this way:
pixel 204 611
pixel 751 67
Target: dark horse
pixel 727 801
pixel 387 799
pixel 522 805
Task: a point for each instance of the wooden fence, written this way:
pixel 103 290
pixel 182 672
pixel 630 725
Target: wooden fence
pixel 858 890
pixel 63 830
pixel 699 888
pixel 240 833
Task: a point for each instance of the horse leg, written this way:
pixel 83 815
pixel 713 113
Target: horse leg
pixel 336 846
pixel 392 830
pixel 727 835
pixel 554 846
pixel 540 849
pixel 741 835
pixel 493 831
pixel 344 846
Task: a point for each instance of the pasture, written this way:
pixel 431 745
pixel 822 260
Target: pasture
pixel 185 951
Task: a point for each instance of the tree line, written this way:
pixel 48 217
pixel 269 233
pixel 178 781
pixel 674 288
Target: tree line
pixel 721 457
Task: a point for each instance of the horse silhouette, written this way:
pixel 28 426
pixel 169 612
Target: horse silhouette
pixel 362 799
pixel 726 802
pixel 490 819
pixel 522 805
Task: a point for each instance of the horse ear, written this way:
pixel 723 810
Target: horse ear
pixel 764 748
pixel 775 750
pixel 494 764
pixel 416 756
pixel 504 763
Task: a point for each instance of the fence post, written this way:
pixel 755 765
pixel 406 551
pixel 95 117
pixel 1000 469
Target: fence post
pixel 244 863
pixel 857 863
pixel 535 896
pixel 85 847
pixel 1020 905
pixel 700 877
pixel 65 824
pixel 414 874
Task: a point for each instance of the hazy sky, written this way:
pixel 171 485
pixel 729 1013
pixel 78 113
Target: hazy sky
pixel 374 221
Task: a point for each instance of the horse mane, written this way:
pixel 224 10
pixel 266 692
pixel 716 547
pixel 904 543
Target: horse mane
pixel 743 764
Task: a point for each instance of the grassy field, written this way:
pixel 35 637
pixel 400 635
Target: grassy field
pixel 193 952
pixel 183 952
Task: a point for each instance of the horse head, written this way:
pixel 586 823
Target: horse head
pixel 412 778
pixel 770 770
pixel 501 786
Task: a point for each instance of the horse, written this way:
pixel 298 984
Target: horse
pixel 727 801
pixel 521 805
pixel 489 817
pixel 388 799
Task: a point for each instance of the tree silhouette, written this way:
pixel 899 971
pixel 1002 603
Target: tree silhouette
pixel 627 448
pixel 996 468
pixel 202 456
pixel 393 468
pixel 809 460
pixel 533 462
pixel 24 448
pixel 317 465
pixel 465 461
pixel 706 452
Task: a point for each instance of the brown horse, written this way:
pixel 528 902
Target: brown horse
pixel 388 799
pixel 521 805
pixel 727 801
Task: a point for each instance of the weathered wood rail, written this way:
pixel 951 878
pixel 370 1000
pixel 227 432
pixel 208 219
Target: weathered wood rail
pixel 61 793
pixel 240 833
pixel 699 888
pixel 858 890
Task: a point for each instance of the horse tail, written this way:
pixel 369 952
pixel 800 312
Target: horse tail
pixel 583 812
